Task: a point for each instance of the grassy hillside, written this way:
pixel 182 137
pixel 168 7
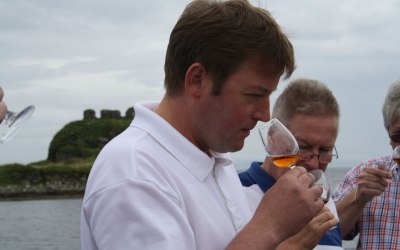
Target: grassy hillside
pixel 71 155
pixel 44 179
pixel 84 139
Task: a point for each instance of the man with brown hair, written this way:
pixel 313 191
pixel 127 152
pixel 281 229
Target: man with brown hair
pixel 168 182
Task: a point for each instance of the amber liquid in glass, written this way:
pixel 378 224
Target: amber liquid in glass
pixel 284 161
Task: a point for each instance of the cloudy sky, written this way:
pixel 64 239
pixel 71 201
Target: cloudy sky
pixel 68 56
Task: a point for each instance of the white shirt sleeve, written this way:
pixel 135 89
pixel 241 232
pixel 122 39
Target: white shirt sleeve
pixel 135 215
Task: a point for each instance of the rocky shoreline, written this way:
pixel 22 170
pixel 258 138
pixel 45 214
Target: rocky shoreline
pixel 55 190
pixel 51 183
pixel 39 192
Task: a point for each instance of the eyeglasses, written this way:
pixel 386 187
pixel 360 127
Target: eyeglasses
pixel 305 155
pixel 395 138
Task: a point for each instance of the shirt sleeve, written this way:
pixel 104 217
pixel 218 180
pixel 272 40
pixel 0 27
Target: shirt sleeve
pixel 135 215
pixel 348 183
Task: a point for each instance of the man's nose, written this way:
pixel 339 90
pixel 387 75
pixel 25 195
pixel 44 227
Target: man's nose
pixel 313 162
pixel 262 113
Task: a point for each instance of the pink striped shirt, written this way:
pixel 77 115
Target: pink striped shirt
pixel 379 224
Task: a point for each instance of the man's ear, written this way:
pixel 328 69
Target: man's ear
pixel 195 80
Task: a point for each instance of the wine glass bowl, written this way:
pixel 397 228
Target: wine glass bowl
pixel 279 143
pixel 14 122
pixel 396 157
pixel 322 181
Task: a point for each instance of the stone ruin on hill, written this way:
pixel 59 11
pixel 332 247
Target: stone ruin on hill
pixel 85 138
pixel 108 114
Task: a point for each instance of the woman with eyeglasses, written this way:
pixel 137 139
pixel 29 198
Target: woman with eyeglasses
pixel 311 113
pixel 368 199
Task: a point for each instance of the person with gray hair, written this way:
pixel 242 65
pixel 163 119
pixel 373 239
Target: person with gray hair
pixel 367 198
pixel 311 113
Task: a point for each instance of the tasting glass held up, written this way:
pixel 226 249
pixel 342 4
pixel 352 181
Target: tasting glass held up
pixel 279 144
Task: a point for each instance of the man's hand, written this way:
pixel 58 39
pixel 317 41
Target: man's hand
pixel 290 204
pixel 309 237
pixel 372 182
pixel 285 209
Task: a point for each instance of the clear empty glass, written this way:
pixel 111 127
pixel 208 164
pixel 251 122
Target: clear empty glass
pixel 322 181
pixel 396 157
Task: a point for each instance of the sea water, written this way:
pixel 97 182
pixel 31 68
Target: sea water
pixel 54 224
pixel 40 224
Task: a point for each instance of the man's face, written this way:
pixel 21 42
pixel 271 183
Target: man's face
pixel 226 120
pixel 394 129
pixel 316 134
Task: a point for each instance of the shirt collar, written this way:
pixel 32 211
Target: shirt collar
pixel 190 156
pixel 260 177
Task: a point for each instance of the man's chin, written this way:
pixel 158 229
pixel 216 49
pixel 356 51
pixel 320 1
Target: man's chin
pixel 237 147
pixel 230 149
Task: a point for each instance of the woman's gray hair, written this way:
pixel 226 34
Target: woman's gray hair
pixel 391 105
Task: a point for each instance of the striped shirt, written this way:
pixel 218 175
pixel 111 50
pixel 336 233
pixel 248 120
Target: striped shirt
pixel 379 223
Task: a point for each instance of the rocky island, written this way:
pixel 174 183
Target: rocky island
pixel 71 154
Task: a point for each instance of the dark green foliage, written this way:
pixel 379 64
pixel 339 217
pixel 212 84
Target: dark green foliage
pixel 16 174
pixel 85 138
pixel 44 180
pixel 9 173
pixel 71 155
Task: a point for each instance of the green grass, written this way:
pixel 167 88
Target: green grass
pixel 72 152
pixel 44 171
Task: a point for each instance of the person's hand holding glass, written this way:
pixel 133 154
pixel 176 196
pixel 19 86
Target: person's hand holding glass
pixel 319 175
pixel 320 178
pixel 3 106
pixel 10 122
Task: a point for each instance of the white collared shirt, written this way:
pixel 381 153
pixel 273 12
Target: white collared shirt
pixel 150 188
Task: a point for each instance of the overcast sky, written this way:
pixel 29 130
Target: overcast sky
pixel 68 56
